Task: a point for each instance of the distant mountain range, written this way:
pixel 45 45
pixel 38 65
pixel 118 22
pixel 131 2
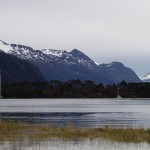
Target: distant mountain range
pixel 146 78
pixel 63 65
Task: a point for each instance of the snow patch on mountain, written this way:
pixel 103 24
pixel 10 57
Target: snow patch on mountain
pixel 97 63
pixel 147 76
pixel 5 47
pixel 57 53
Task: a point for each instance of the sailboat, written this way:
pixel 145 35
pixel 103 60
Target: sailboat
pixel 118 96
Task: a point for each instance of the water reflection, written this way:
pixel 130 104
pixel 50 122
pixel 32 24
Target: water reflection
pixel 82 119
pixel 56 144
pixel 78 112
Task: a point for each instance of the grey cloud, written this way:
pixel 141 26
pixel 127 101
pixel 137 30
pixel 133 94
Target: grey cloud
pixel 106 30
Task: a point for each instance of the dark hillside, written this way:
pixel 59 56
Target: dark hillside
pixel 16 70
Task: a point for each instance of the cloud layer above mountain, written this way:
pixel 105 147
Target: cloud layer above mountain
pixel 106 30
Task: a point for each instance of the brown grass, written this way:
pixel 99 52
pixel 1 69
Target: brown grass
pixel 15 131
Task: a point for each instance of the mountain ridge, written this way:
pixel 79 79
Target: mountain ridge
pixel 63 65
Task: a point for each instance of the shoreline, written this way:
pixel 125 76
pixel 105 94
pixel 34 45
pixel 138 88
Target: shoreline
pixel 76 98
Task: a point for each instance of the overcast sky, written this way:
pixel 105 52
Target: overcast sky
pixel 105 30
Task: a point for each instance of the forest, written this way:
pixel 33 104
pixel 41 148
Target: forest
pixel 74 89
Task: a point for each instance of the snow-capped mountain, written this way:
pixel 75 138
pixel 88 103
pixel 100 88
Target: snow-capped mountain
pixel 63 65
pixel 146 78
pixel 24 52
pixel 47 55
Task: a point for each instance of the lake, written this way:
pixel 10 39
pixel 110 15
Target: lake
pixel 83 113
pixel 78 112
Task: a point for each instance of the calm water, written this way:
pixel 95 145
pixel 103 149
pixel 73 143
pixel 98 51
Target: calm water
pixel 78 112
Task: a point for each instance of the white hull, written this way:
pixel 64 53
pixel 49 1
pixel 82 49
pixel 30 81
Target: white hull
pixel 119 97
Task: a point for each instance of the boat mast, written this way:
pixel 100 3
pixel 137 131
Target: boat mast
pixel 117 90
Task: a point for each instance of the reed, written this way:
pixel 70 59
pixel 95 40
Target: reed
pixel 16 130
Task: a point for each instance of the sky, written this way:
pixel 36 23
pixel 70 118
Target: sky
pixel 105 30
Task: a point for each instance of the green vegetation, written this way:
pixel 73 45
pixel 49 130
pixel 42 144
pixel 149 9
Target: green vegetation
pixel 15 131
pixel 74 89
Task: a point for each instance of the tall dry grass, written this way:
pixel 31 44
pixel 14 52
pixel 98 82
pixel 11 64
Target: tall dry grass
pixel 16 130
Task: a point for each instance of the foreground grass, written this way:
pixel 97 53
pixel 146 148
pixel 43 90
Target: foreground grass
pixel 14 131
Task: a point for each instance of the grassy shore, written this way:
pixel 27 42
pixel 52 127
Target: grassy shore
pixel 14 131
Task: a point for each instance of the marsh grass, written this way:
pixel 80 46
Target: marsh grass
pixel 17 130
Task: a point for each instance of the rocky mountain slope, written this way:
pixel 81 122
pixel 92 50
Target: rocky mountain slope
pixel 16 70
pixel 63 65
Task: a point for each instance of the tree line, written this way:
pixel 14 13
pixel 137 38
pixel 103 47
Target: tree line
pixel 74 89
